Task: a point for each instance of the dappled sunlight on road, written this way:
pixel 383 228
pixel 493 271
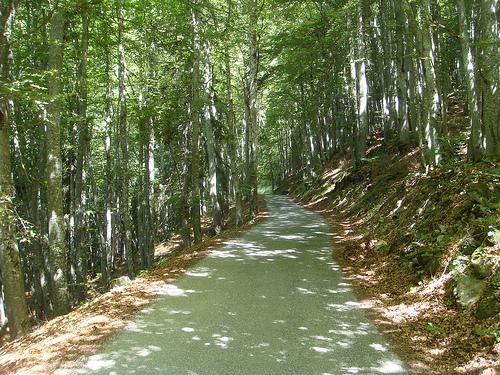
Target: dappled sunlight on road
pixel 272 302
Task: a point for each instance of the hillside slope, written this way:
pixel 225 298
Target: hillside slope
pixel 422 249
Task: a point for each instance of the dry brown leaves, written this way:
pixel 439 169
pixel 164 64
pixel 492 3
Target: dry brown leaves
pixel 403 312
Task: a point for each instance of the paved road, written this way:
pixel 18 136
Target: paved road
pixel 272 302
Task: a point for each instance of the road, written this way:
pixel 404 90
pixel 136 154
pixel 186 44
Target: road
pixel 271 302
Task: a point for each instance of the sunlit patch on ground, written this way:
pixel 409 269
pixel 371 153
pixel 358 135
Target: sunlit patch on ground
pixel 258 311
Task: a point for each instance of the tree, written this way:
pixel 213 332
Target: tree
pixel 489 72
pixel 195 109
pixel 469 65
pixel 252 62
pixel 11 274
pixel 123 174
pixel 57 245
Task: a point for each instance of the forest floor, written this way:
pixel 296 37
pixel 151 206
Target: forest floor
pixel 56 346
pixel 403 237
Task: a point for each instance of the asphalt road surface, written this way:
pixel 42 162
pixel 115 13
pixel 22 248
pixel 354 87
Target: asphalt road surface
pixel 271 302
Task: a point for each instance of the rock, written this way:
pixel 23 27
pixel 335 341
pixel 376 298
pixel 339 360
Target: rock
pixel 121 281
pixel 468 290
pixel 488 308
pixel 494 236
pixel 481 266
pixel 382 246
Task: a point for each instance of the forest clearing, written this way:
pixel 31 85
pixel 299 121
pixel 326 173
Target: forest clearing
pixel 249 186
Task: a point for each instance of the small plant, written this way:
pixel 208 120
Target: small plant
pixel 435 329
pixel 481 331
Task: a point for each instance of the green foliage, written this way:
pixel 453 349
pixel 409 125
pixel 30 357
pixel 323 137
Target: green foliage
pixel 435 329
pixel 301 189
pixel 482 331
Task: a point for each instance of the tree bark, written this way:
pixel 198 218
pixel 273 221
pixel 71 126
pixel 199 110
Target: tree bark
pixel 474 149
pixel 252 62
pixel 233 137
pixel 208 132
pixel 108 227
pixel 432 155
pixel 123 125
pixel 402 75
pixel 57 247
pixel 11 273
pixel 81 191
pixel 363 85
pixel 489 73
pixel 196 103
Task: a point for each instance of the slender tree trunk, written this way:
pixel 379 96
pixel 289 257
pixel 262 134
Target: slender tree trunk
pixel 81 191
pixel 402 70
pixel 490 76
pixel 208 132
pixel 363 85
pixel 413 51
pixel 149 194
pixel 442 83
pixel 123 124
pixel 474 149
pixel 233 139
pixel 196 103
pixel 57 247
pixel 106 248
pixel 388 109
pixel 430 95
pixel 11 273
pixel 252 85
pixel 355 94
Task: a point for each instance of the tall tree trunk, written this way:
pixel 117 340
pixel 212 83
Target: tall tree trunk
pixel 149 175
pixel 11 273
pixel 489 73
pixel 253 107
pixel 106 247
pixel 413 51
pixel 474 149
pixel 196 103
pixel 122 125
pixel 208 132
pixel 354 93
pixel 81 191
pixel 388 109
pixel 402 75
pixel 57 247
pixel 363 84
pixel 233 137
pixel 432 154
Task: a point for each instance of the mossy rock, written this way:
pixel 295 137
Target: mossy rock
pixel 488 308
pixel 468 290
pixel 482 265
